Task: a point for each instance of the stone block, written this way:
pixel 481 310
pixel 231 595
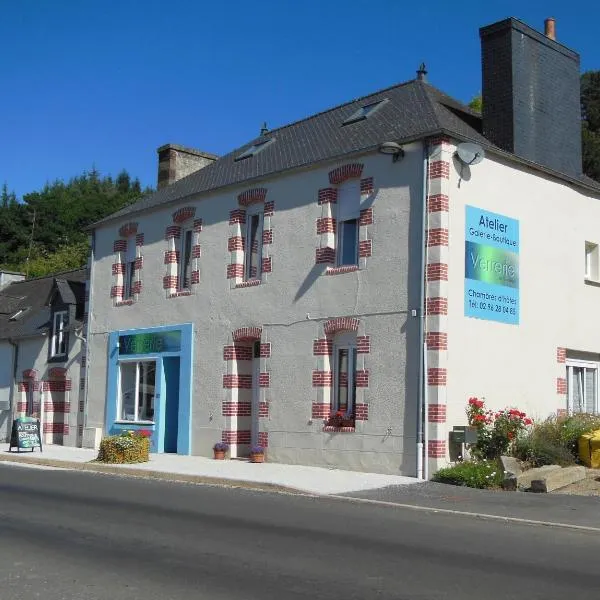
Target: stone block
pixel 526 477
pixel 557 479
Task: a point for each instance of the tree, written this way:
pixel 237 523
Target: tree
pixel 476 103
pixel 590 115
pixel 62 213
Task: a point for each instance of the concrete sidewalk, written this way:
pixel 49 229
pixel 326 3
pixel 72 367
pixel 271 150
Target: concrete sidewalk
pixel 198 469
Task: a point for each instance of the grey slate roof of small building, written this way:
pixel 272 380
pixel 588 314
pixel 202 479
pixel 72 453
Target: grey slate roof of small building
pixel 415 110
pixel 33 295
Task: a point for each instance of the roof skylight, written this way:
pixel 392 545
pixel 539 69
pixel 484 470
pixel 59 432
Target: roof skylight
pixel 16 316
pixel 255 149
pixel 365 111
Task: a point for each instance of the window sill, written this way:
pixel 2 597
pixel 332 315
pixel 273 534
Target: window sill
pixel 592 282
pixel 340 270
pixel 125 302
pixel 332 429
pixel 58 358
pixel 180 293
pixel 144 423
pixel 249 283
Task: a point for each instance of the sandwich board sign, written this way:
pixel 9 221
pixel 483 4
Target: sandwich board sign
pixel 25 434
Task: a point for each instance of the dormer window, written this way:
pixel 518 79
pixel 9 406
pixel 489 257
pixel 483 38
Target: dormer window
pixel 365 111
pixel 254 149
pixel 58 341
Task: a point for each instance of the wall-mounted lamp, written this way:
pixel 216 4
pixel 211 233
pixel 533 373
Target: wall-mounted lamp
pixel 392 148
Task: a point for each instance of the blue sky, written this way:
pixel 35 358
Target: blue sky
pixel 104 83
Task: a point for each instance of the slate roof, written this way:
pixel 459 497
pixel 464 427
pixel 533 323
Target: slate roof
pixel 33 295
pixel 415 110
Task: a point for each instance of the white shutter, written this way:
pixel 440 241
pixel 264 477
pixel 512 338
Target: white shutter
pixel 348 200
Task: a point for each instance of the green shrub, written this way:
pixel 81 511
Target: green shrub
pixel 538 451
pixel 475 474
pixel 127 447
pixel 554 441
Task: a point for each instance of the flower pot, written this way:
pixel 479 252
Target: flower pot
pixel 257 458
pixel 347 423
pixel 219 454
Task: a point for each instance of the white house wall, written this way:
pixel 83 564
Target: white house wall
pixel 291 305
pixel 6 378
pixel 523 365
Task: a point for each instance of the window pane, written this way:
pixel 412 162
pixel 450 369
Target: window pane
pixel 129 277
pixel 590 390
pixel 342 379
pixel 348 244
pixel 128 390
pixel 253 247
pixel 186 260
pixel 147 372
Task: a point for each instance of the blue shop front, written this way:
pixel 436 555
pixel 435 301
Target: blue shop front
pixel 150 385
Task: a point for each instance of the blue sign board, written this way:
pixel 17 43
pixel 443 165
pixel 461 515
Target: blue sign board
pixel 153 342
pixel 491 266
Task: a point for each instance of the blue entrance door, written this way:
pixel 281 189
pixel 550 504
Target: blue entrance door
pixel 171 371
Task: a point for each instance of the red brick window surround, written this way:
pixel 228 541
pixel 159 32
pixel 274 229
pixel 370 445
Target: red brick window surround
pixel 250 239
pixel 247 375
pixel 343 229
pixel 56 402
pixel 127 266
pixel 183 252
pixel 341 377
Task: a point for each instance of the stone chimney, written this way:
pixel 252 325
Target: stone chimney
pixel 176 162
pixel 530 93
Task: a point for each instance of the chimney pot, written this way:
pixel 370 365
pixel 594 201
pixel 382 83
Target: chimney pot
pixel 422 72
pixel 550 28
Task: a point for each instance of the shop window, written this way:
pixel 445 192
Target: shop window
pixel 253 244
pixel 348 215
pixel 137 381
pixel 344 378
pixel 185 267
pixel 591 261
pixel 582 386
pixel 58 347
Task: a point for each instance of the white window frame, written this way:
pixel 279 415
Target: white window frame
pixel 585 364
pixel 58 333
pixel 120 417
pixel 253 212
pixel 591 261
pixel 352 355
pixel 181 275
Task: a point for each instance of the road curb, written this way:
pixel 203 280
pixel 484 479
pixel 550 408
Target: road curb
pixel 462 513
pixel 91 467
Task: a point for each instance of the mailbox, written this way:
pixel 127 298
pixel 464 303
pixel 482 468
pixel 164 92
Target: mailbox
pixel 464 434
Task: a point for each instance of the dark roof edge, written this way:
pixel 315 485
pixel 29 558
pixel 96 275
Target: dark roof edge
pixel 51 275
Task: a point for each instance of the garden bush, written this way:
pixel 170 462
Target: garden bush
pixel 554 441
pixel 476 474
pixel 127 447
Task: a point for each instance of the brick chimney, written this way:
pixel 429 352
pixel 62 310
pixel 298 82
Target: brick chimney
pixel 531 95
pixel 175 162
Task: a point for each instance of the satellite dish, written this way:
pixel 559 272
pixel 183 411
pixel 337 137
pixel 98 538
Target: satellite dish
pixel 469 153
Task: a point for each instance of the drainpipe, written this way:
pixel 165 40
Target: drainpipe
pixel 86 345
pixel 422 472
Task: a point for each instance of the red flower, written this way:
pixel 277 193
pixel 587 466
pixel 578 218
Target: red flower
pixel 479 418
pixel 528 421
pixel 145 433
pixel 510 435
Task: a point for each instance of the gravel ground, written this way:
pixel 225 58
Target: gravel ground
pixel 590 486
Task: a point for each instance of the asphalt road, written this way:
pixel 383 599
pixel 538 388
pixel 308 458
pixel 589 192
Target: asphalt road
pixel 70 535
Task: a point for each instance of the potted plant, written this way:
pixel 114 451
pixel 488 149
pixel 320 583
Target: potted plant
pixel 347 421
pixel 257 454
pixel 219 450
pixel 335 420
